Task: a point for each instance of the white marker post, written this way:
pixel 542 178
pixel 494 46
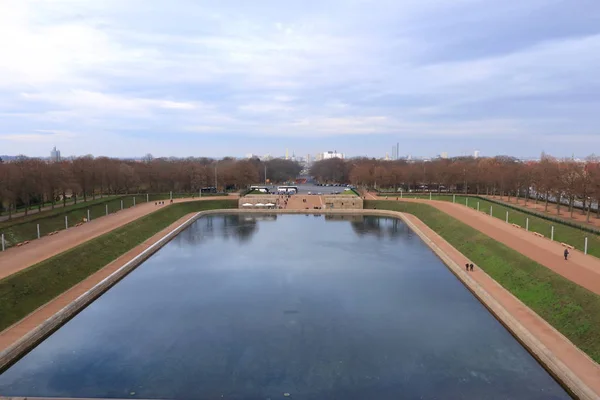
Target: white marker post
pixel 527 224
pixel 585 246
pixel 507 216
pixel 401 194
pixel 3 242
pixel 171 195
pixel 430 195
pixel 121 204
pixel 552 233
pixel 147 198
pixel 134 201
pixel 66 222
pixel 88 220
pixel 491 212
pixel 106 207
pixel 38 230
pixel 477 206
pixel 454 198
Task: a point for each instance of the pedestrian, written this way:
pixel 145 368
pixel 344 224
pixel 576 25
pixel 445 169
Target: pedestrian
pixel 566 253
pixel 471 266
pixel 467 266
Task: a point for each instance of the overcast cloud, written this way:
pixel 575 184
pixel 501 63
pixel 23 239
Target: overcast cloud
pixel 189 77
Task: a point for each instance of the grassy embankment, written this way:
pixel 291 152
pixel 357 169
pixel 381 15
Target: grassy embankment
pixel 571 309
pixel 567 233
pixel 25 291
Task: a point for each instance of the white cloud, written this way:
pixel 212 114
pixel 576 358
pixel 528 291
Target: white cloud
pixel 99 102
pixel 43 136
pixel 344 67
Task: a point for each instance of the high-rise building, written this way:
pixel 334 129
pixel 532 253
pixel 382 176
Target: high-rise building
pixel 476 154
pixel 55 155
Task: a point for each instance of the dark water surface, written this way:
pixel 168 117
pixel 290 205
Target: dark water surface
pixel 240 308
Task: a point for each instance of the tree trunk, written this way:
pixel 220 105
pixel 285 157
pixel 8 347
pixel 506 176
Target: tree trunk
pixel 64 199
pixel 558 200
pixel 587 219
pixel 546 205
pixel 9 211
pixel 571 204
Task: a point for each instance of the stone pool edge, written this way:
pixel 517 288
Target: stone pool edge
pixel 570 381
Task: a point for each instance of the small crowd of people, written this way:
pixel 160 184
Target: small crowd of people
pixel 282 201
pixel 469 267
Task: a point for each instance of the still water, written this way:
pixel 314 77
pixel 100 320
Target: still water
pixel 288 306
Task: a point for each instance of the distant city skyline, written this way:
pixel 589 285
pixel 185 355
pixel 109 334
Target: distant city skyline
pixel 116 78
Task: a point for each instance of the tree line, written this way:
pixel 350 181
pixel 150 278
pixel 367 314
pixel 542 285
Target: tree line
pixel 548 179
pixel 32 181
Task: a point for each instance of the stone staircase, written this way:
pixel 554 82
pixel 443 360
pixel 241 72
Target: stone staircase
pixel 296 202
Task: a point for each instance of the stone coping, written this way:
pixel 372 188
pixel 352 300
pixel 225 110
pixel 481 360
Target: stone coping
pixel 564 375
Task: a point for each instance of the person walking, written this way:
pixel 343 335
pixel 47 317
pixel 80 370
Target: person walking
pixel 471 267
pixel 467 266
pixel 566 253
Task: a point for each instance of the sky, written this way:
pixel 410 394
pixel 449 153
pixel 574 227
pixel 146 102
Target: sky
pixel 226 78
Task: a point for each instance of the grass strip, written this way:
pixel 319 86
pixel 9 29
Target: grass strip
pixel 572 310
pixel 563 231
pixel 34 215
pixel 27 290
pixel 49 221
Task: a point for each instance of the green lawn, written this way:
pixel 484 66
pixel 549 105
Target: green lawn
pixel 25 291
pixel 571 309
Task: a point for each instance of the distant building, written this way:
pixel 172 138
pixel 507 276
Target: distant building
pixel 55 155
pixel 328 155
pixel 444 154
pixel 476 154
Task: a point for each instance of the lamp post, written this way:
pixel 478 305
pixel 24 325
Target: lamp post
pixel 216 164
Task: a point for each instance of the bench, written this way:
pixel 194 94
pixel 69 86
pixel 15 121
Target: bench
pixel 568 246
pixel 516 226
pixel 538 234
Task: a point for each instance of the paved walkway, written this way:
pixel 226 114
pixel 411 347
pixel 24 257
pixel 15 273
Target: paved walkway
pixel 16 259
pixel 581 269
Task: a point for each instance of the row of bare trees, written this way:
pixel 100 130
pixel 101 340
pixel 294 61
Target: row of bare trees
pixel 32 181
pixel 571 182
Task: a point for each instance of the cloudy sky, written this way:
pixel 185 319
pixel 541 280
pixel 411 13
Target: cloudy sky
pixel 191 77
